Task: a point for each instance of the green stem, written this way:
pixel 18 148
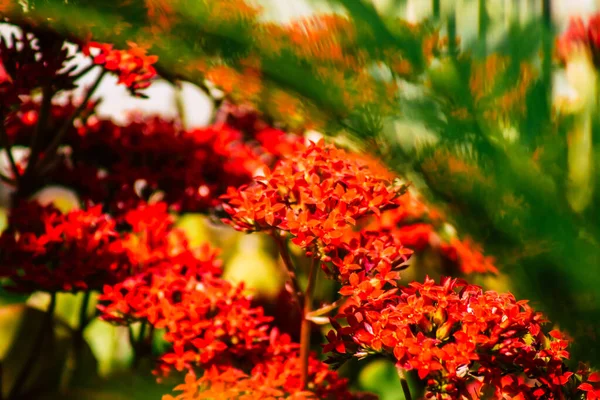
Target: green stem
pixel 83 317
pixel 305 329
pixel 483 23
pixel 548 43
pixel 139 345
pixel 404 383
pixel 289 268
pixel 435 5
pixel 35 351
pixel 180 104
pixel 452 49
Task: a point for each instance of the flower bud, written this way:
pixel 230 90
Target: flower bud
pixel 444 331
pixel 425 325
pixel 440 316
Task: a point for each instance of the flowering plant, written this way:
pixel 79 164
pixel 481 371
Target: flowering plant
pixel 365 260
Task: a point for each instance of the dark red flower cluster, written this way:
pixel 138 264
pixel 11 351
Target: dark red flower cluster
pixel 456 335
pixel 195 167
pixel 44 249
pixel 29 61
pixel 133 66
pixel 122 166
pixel 273 143
pixel 582 37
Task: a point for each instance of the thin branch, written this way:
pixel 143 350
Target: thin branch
pixel 57 140
pixel 83 72
pixel 34 144
pixel 180 104
pixel 35 350
pixel 83 315
pixel 5 141
pixel 326 308
pixel 289 268
pixel 6 179
pixel 305 329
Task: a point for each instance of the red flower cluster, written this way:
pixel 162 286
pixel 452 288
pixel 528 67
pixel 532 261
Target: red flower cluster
pixel 133 66
pixel 206 318
pixel 419 227
pixel 455 335
pixel 590 383
pixel 209 322
pixel 275 376
pixel 44 249
pixel 313 194
pixel 582 37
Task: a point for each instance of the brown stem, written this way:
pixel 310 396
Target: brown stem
pixel 35 351
pixel 34 144
pixel 5 141
pixel 404 383
pixel 58 138
pixel 289 268
pixel 1 386
pixel 305 329
pixel 83 72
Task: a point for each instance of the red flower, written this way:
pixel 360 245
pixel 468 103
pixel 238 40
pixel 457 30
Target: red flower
pixel 133 67
pixel 453 334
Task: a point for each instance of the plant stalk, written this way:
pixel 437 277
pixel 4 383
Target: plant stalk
pixel 5 141
pixel 404 383
pixel 42 121
pixel 305 329
pixel 35 351
pixel 289 268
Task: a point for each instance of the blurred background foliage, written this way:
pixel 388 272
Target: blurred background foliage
pixel 471 104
